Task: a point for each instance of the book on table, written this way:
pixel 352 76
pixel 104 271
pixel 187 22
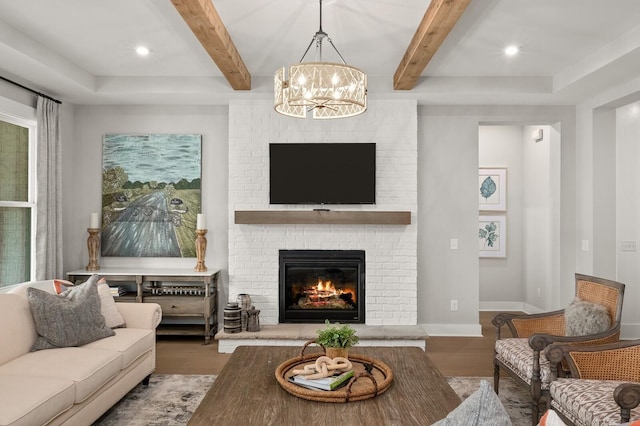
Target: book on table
pixel 327 383
pixel 118 291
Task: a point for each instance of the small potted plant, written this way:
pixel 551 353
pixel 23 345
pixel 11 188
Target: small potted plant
pixel 336 339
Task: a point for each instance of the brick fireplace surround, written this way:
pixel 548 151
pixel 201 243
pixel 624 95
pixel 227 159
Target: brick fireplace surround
pixel 391 250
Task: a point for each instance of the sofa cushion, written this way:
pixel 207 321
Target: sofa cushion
pixel 61 285
pixel 583 318
pixel 88 368
pixel 587 402
pixel 518 355
pixel 32 400
pixel 72 318
pixel 132 343
pixel 551 418
pixel 17 327
pixel 112 317
pixel 483 407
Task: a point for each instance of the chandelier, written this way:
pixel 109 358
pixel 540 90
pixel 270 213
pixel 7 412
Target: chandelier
pixel 328 89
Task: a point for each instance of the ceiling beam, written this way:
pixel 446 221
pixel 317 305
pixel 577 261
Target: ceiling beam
pixel 204 21
pixel 438 20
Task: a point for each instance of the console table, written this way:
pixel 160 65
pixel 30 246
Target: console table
pixel 180 293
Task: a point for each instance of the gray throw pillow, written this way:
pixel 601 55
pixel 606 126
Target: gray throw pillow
pixel 583 318
pixel 72 318
pixel 481 408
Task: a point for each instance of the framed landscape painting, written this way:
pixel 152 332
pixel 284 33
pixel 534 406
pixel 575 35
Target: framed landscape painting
pixel 492 236
pixel 151 194
pixel 492 184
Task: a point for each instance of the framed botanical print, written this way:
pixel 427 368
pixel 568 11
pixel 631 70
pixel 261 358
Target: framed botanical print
pixel 492 185
pixel 492 236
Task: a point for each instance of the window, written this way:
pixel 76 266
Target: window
pixel 17 199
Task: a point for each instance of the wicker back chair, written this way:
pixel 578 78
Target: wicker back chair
pixel 522 356
pixel 604 387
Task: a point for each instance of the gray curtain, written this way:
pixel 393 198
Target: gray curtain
pixel 49 191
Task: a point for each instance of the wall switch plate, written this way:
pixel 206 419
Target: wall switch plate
pixel 585 245
pixel 628 246
pixel 454 244
pixel 454 304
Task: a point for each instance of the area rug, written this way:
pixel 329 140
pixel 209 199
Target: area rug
pixel 168 400
pixel 514 398
pixel 171 400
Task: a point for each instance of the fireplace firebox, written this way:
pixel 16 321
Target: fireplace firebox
pixel 319 285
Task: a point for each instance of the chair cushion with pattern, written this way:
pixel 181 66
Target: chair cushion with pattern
pixel 518 356
pixel 587 402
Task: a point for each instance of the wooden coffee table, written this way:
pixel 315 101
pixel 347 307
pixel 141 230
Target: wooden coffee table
pixel 246 392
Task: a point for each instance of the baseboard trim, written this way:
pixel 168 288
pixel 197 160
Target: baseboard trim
pixel 509 307
pixel 453 330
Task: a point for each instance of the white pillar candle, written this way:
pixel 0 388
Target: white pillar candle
pixel 94 223
pixel 201 223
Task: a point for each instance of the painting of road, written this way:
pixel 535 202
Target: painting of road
pixel 151 194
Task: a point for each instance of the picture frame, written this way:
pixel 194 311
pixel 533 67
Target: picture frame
pixel 151 194
pixel 492 234
pixel 492 189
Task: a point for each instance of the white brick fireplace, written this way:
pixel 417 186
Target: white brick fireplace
pixel 390 250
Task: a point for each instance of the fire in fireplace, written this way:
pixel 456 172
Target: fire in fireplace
pixel 316 285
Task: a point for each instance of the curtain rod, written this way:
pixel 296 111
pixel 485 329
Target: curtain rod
pixel 30 90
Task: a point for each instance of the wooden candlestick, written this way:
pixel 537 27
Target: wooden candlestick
pixel 201 248
pixel 93 244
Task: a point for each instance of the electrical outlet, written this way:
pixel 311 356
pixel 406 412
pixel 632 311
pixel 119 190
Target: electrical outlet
pixel 454 305
pixel 453 244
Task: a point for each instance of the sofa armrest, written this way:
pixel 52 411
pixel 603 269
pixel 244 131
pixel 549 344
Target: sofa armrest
pixel 140 315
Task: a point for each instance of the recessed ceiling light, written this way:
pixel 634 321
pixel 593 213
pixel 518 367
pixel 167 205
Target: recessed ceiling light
pixel 511 50
pixel 142 50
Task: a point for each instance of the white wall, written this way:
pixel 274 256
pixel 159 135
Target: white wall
pixel 530 270
pixel 447 206
pixel 390 250
pixel 502 279
pixel 597 179
pixel 82 174
pixel 447 158
pixel 541 218
pixel 627 207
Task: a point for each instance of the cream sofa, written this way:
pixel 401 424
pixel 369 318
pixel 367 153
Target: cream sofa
pixel 72 385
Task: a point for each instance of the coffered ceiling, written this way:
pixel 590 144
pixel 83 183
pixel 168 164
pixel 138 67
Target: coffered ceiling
pixel 83 51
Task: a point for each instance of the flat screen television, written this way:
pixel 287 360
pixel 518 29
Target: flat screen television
pixel 322 173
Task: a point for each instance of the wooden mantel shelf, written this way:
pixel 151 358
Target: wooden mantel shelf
pixel 339 217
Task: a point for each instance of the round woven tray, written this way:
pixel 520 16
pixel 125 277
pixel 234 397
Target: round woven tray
pixel 363 385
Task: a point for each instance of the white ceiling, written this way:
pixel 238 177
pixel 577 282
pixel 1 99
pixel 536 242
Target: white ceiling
pixel 82 51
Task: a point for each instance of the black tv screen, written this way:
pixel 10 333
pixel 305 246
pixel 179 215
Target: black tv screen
pixel 322 173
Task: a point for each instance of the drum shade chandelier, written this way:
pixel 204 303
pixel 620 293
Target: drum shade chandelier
pixel 328 89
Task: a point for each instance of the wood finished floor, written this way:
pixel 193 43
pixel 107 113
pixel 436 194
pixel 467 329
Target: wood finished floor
pixel 454 356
